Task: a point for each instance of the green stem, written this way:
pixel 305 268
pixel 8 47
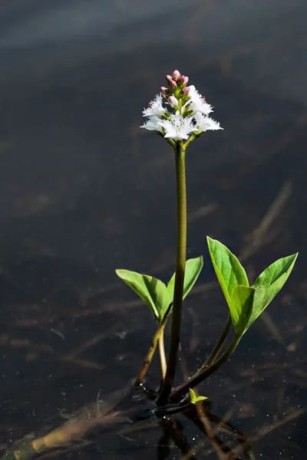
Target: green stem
pixel 218 346
pixel 166 388
pixel 203 373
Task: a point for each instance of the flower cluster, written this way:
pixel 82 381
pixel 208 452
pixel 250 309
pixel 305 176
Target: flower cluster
pixel 179 112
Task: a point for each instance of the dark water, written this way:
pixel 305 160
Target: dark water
pixel 84 191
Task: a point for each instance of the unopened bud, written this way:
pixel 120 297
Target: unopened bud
pixel 171 82
pixel 184 79
pixel 173 102
pixel 186 90
pixel 176 74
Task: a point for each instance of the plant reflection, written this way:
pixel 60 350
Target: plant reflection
pixel 217 436
pixel 213 435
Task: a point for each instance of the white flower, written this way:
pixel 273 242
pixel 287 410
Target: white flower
pixel 197 102
pixel 153 124
pixel 204 123
pixel 155 108
pixel 177 127
pixel 179 112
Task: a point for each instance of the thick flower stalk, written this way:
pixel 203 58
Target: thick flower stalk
pixel 179 113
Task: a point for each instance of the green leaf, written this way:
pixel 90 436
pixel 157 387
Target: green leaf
pixel 280 268
pixel 270 282
pixel 246 303
pixel 193 267
pixel 154 292
pixel 228 269
pixel 150 289
pixel 195 398
pixel 241 307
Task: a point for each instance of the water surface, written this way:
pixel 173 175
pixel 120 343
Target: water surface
pixel 83 191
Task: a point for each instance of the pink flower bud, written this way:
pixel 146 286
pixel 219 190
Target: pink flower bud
pixel 171 82
pixel 186 90
pixel 176 74
pixel 184 79
pixel 163 90
pixel 173 102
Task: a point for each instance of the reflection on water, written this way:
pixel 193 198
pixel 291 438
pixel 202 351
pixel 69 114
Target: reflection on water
pixel 84 191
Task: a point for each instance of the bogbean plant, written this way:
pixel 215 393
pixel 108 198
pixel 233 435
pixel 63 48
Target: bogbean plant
pixel 180 114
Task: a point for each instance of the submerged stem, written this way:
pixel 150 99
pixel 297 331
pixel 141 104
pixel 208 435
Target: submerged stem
pixel 180 269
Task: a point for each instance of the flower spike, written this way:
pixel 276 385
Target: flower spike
pixel 179 112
